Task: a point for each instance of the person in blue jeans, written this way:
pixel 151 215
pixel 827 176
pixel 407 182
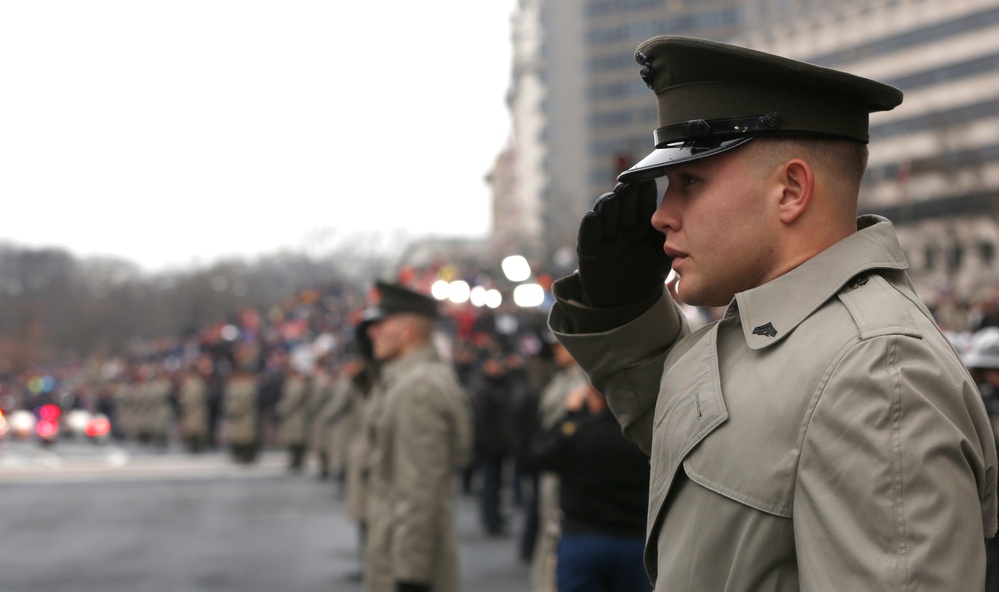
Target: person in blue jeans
pixel 604 495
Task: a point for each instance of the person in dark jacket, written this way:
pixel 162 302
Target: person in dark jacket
pixel 604 495
pixel 493 415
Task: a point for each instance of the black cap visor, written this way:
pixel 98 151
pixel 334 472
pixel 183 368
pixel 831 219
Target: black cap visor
pixel 655 164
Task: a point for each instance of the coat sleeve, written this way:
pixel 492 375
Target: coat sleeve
pixel 895 425
pixel 425 450
pixel 624 363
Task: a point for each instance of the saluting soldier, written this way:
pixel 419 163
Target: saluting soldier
pixel 159 407
pixel 292 413
pixel 122 390
pixel 193 399
pixel 349 442
pixel 239 406
pixel 321 387
pixel 823 434
pixel 344 411
pixel 420 430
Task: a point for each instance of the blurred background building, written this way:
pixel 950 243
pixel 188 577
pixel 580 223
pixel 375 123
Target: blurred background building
pixel 581 114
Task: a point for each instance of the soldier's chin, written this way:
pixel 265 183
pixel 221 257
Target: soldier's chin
pixel 694 297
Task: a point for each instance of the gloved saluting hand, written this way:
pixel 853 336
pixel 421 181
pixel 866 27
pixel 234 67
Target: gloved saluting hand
pixel 621 258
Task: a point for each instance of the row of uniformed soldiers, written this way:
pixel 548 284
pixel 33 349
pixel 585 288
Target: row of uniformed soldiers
pixel 152 406
pixel 144 407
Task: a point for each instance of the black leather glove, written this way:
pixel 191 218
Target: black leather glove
pixel 621 258
pixel 411 587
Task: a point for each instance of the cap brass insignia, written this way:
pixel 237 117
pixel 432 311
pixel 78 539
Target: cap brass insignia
pixel 648 76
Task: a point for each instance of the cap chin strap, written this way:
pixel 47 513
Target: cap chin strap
pixel 716 129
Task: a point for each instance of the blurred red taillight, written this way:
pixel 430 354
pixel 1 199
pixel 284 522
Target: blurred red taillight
pixel 98 426
pixel 46 428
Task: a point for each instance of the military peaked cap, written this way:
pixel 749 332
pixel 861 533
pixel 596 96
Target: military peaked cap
pixel 395 299
pixel 712 97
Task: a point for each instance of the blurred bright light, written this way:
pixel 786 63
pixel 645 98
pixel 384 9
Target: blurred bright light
pixel 527 295
pixel 478 296
pixel 98 426
pixel 22 422
pixel 230 333
pixel 76 421
pixel 41 384
pixel 516 268
pixel 494 298
pixel 50 412
pixel 46 428
pixel 439 290
pixel 458 291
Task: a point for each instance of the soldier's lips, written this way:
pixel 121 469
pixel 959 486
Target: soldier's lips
pixel 678 257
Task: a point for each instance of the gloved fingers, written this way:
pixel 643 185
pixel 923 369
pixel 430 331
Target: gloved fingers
pixel 598 204
pixel 638 203
pixel 591 234
pixel 608 208
pixel 648 199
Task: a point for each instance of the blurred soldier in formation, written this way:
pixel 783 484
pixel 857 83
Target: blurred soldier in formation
pixel 123 392
pixel 983 362
pixel 139 405
pixel 292 413
pixel 568 378
pixel 344 410
pixel 239 406
pixel 348 444
pixel 193 400
pixel 160 392
pixel 420 429
pixel 320 395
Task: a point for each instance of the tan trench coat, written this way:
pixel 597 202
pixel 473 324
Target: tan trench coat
pixel 293 411
pixel 822 436
pixel 321 388
pixel 193 399
pixel 342 418
pixel 421 435
pixel 239 410
pixel 358 460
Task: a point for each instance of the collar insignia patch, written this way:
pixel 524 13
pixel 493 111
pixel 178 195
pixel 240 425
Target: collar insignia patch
pixel 767 330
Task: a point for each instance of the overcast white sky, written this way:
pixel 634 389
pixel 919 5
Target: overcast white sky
pixel 177 132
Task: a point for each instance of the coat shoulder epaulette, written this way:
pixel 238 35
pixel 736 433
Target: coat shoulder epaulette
pixel 881 307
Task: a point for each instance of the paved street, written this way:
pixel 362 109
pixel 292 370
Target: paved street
pixel 85 518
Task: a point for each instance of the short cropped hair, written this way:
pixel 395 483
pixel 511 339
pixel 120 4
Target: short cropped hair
pixel 842 161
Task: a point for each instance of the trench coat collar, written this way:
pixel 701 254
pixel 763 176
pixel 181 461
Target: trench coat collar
pixel 400 366
pixel 770 312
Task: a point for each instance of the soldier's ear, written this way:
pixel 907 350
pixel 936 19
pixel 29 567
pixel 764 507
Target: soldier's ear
pixel 796 181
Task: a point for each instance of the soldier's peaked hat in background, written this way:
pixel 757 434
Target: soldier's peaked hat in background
pixel 396 299
pixel 712 97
